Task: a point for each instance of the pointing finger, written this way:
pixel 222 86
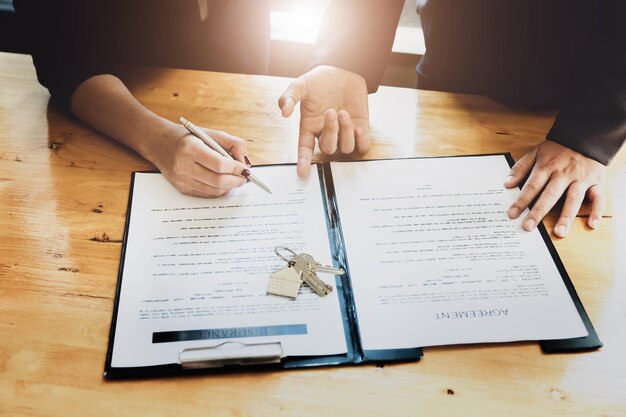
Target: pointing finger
pixel 306 143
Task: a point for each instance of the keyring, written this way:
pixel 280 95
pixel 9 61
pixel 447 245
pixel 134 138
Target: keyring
pixel 277 249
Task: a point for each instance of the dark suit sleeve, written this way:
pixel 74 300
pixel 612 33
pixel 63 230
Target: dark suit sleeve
pixel 65 40
pixel 593 122
pixel 357 35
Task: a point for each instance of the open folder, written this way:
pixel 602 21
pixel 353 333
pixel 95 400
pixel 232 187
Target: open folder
pixel 430 255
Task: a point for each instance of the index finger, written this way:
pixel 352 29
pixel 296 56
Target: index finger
pixel 231 144
pixel 533 187
pixel 306 143
pixel 212 160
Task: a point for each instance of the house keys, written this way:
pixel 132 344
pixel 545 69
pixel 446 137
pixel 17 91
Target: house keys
pixel 301 267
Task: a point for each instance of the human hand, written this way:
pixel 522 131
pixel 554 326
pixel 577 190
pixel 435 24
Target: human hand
pixel 333 108
pixel 194 168
pixel 555 170
pixel 104 102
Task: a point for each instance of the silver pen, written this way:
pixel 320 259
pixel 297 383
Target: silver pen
pixel 211 143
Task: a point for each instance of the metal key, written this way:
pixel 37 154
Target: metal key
pixel 318 267
pixel 304 264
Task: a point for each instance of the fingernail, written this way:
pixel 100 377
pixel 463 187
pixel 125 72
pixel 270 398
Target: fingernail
pixel 331 115
pixel 509 179
pixel 513 212
pixel 560 230
pixel 529 224
pixel 343 115
pixel 594 223
pixel 245 158
pixel 245 173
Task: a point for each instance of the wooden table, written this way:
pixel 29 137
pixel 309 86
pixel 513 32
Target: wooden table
pixel 63 194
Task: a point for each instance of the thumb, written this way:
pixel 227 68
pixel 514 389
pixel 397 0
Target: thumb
pixel 288 100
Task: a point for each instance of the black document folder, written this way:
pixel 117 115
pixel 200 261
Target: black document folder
pixel 231 352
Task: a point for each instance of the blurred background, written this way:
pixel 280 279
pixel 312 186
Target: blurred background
pixel 295 24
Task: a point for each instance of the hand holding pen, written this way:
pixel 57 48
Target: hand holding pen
pixel 214 145
pixel 190 165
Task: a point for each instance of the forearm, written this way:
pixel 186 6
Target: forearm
pixel 104 103
pixel 593 120
pixel 357 36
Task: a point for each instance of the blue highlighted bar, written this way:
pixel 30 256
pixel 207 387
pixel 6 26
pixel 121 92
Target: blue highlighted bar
pixel 229 333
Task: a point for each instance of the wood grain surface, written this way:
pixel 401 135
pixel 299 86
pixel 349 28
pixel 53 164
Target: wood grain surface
pixel 63 196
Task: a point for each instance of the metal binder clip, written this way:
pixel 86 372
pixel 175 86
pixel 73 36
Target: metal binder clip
pixel 230 353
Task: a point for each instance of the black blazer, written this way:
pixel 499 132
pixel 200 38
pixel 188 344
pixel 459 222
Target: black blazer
pixel 72 40
pixel 564 54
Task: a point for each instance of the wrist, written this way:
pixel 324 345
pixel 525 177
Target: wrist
pixel 151 135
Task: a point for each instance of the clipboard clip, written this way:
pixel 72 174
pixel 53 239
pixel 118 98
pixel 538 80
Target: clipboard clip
pixel 230 353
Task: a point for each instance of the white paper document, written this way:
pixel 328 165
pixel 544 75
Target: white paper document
pixel 432 259
pixel 435 260
pixel 195 270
